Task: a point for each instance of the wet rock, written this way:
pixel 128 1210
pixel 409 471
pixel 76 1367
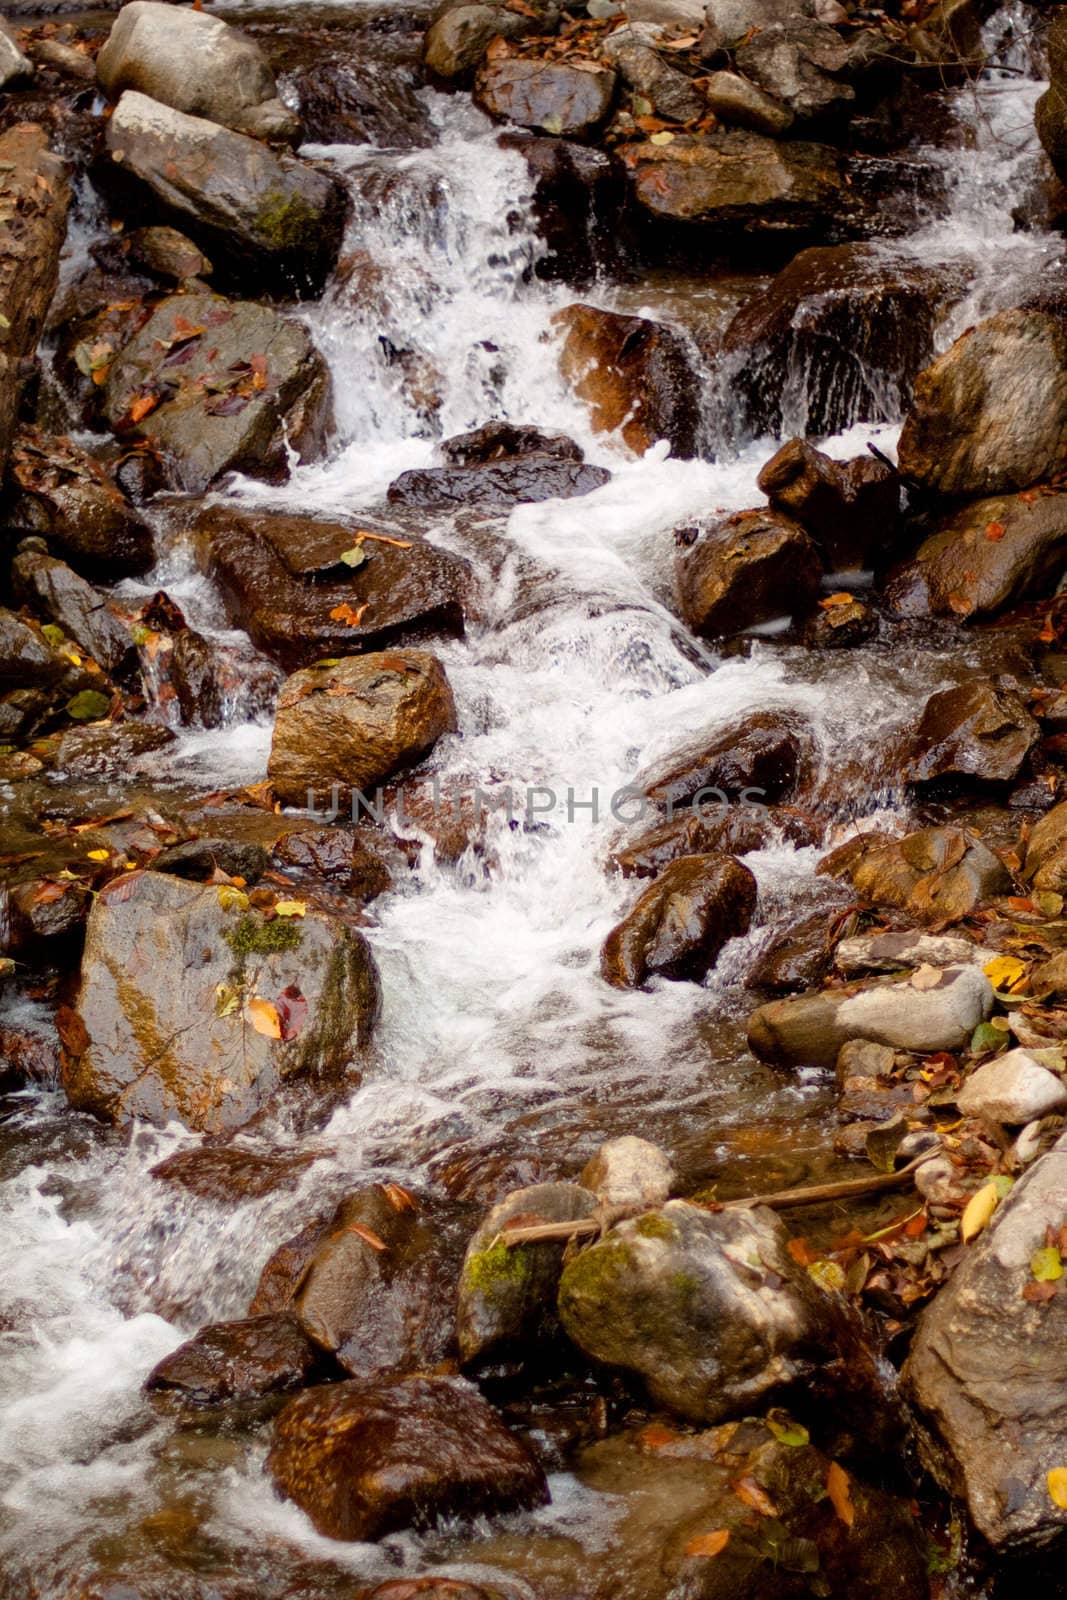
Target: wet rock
pixel 1015 1088
pixel 748 568
pixel 976 731
pixel 628 1176
pixel 761 758
pixel 742 183
pixel 56 593
pixel 850 508
pixel 199 859
pixel 797 957
pixel 217 683
pixel 357 84
pixel 527 479
pixel 267 221
pixel 34 196
pixel 579 203
pixel 1045 861
pixel 219 386
pixel 809 1030
pixel 14 64
pixel 368 1286
pixel 838 336
pixel 636 375
pixel 283 580
pixel 26 657
pixel 196 63
pixel 506 1307
pixel 105 749
pixel 337 856
pixel 365 1458
pixel 991 413
pixel 239 1361
pixel 168 254
pixel 229 1175
pixel 984 557
pixel 708 1309
pixel 58 490
pixel 678 926
pixel 497 441
pixel 456 42
pixel 889 952
pixel 841 626
pixel 192 1011
pixel 64 59
pixel 554 96
pixel 43 915
pixel 672 95
pixel 803 64
pixel 729 20
pixel 732 830
pixel 987 1368
pixel 741 104
pixel 937 874
pixel 351 725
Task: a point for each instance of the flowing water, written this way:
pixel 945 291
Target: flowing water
pixel 498 1042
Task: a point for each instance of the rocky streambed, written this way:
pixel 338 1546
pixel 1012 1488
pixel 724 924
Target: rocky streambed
pixel 534 818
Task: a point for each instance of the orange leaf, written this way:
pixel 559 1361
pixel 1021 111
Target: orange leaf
pixel 960 604
pixel 754 1495
pixel 842 598
pixel 801 1252
pixel 398 1197
pixel 995 531
pixel 344 613
pixel 368 1235
pixel 264 1018
pixel 708 1544
pixel 839 1488
pixel 142 406
pixel 656 1436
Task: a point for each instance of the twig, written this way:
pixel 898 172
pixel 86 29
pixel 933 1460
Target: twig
pixel 813 1195
pixel 542 1232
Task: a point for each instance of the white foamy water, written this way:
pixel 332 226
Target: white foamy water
pixel 497 1031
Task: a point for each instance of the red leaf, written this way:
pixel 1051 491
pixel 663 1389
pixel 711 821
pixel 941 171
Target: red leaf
pixel 292 1011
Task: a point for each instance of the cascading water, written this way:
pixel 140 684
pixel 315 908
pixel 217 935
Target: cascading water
pixel 498 1035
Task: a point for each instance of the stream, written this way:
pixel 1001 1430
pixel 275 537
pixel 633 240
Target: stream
pixel 501 1057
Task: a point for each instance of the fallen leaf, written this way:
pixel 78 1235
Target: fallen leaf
pixel 753 1494
pixel 398 1197
pixel 99 855
pixel 666 137
pixel 839 1488
pixel 231 898
pixel 785 1430
pixel 368 1235
pixel 88 706
pixel 828 1275
pixel 841 598
pixel 264 1018
pixel 141 407
pixel 292 1011
pixel 926 977
pixel 995 532
pixel 1046 1265
pixel 977 1212
pixel 1057 1487
pixel 1006 973
pixel 345 613
pixel 227 999
pixel 802 1252
pixel 1039 1294
pixel 708 1544
pixel 354 557
pixel 290 908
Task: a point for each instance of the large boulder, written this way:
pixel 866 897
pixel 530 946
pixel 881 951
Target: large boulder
pixel 748 568
pixel 939 875
pixel 850 508
pixel 988 1366
pixel 368 1457
pixel 679 924
pixel 193 1006
pixel 726 829
pixel 636 375
pixel 194 63
pixel 266 220
pixel 506 1307
pixel 284 579
pixel 553 96
pixel 984 557
pixel 709 1309
pixel 579 201
pixel 219 386
pixel 991 413
pixel 345 726
pixel 809 1030
pixel 34 196
pixel 55 488
pixel 976 731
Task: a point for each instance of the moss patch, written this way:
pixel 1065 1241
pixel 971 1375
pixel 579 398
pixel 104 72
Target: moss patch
pixel 499 1270
pixel 284 221
pixel 653 1225
pixel 254 937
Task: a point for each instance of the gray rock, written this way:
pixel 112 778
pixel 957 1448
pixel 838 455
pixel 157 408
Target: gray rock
pixel 196 63
pixel 988 1369
pixel 269 220
pixel 810 1029
pixel 800 63
pixel 456 42
pixel 56 593
pixel 671 93
pixel 991 413
pixel 889 952
pixel 1015 1088
pixel 709 1309
pixel 730 20
pixel 628 1175
pixel 741 104
pixel 14 64
pixel 166 1023
pixel 687 15
pixel 168 254
pixel 551 95
pixel 507 1294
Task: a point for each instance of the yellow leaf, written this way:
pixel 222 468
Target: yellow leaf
pixel 977 1212
pixel 661 138
pixel 1006 973
pixel 1057 1487
pixel 264 1018
pixel 708 1544
pixel 231 899
pixel 290 908
pixel 839 1489
pixel 99 855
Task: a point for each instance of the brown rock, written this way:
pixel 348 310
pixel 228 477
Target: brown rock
pixel 991 413
pixel 850 508
pixel 337 856
pixel 349 726
pixel 555 96
pixel 1045 862
pixel 976 731
pixel 239 1361
pixel 678 926
pixel 635 375
pixel 456 41
pixel 34 193
pixel 230 1175
pixel 748 568
pixel 762 757
pixel 841 626
pixel 60 491
pixel 365 1458
pixel 739 103
pixel 938 874
pixel 732 830
pixel 57 595
pixel 529 479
